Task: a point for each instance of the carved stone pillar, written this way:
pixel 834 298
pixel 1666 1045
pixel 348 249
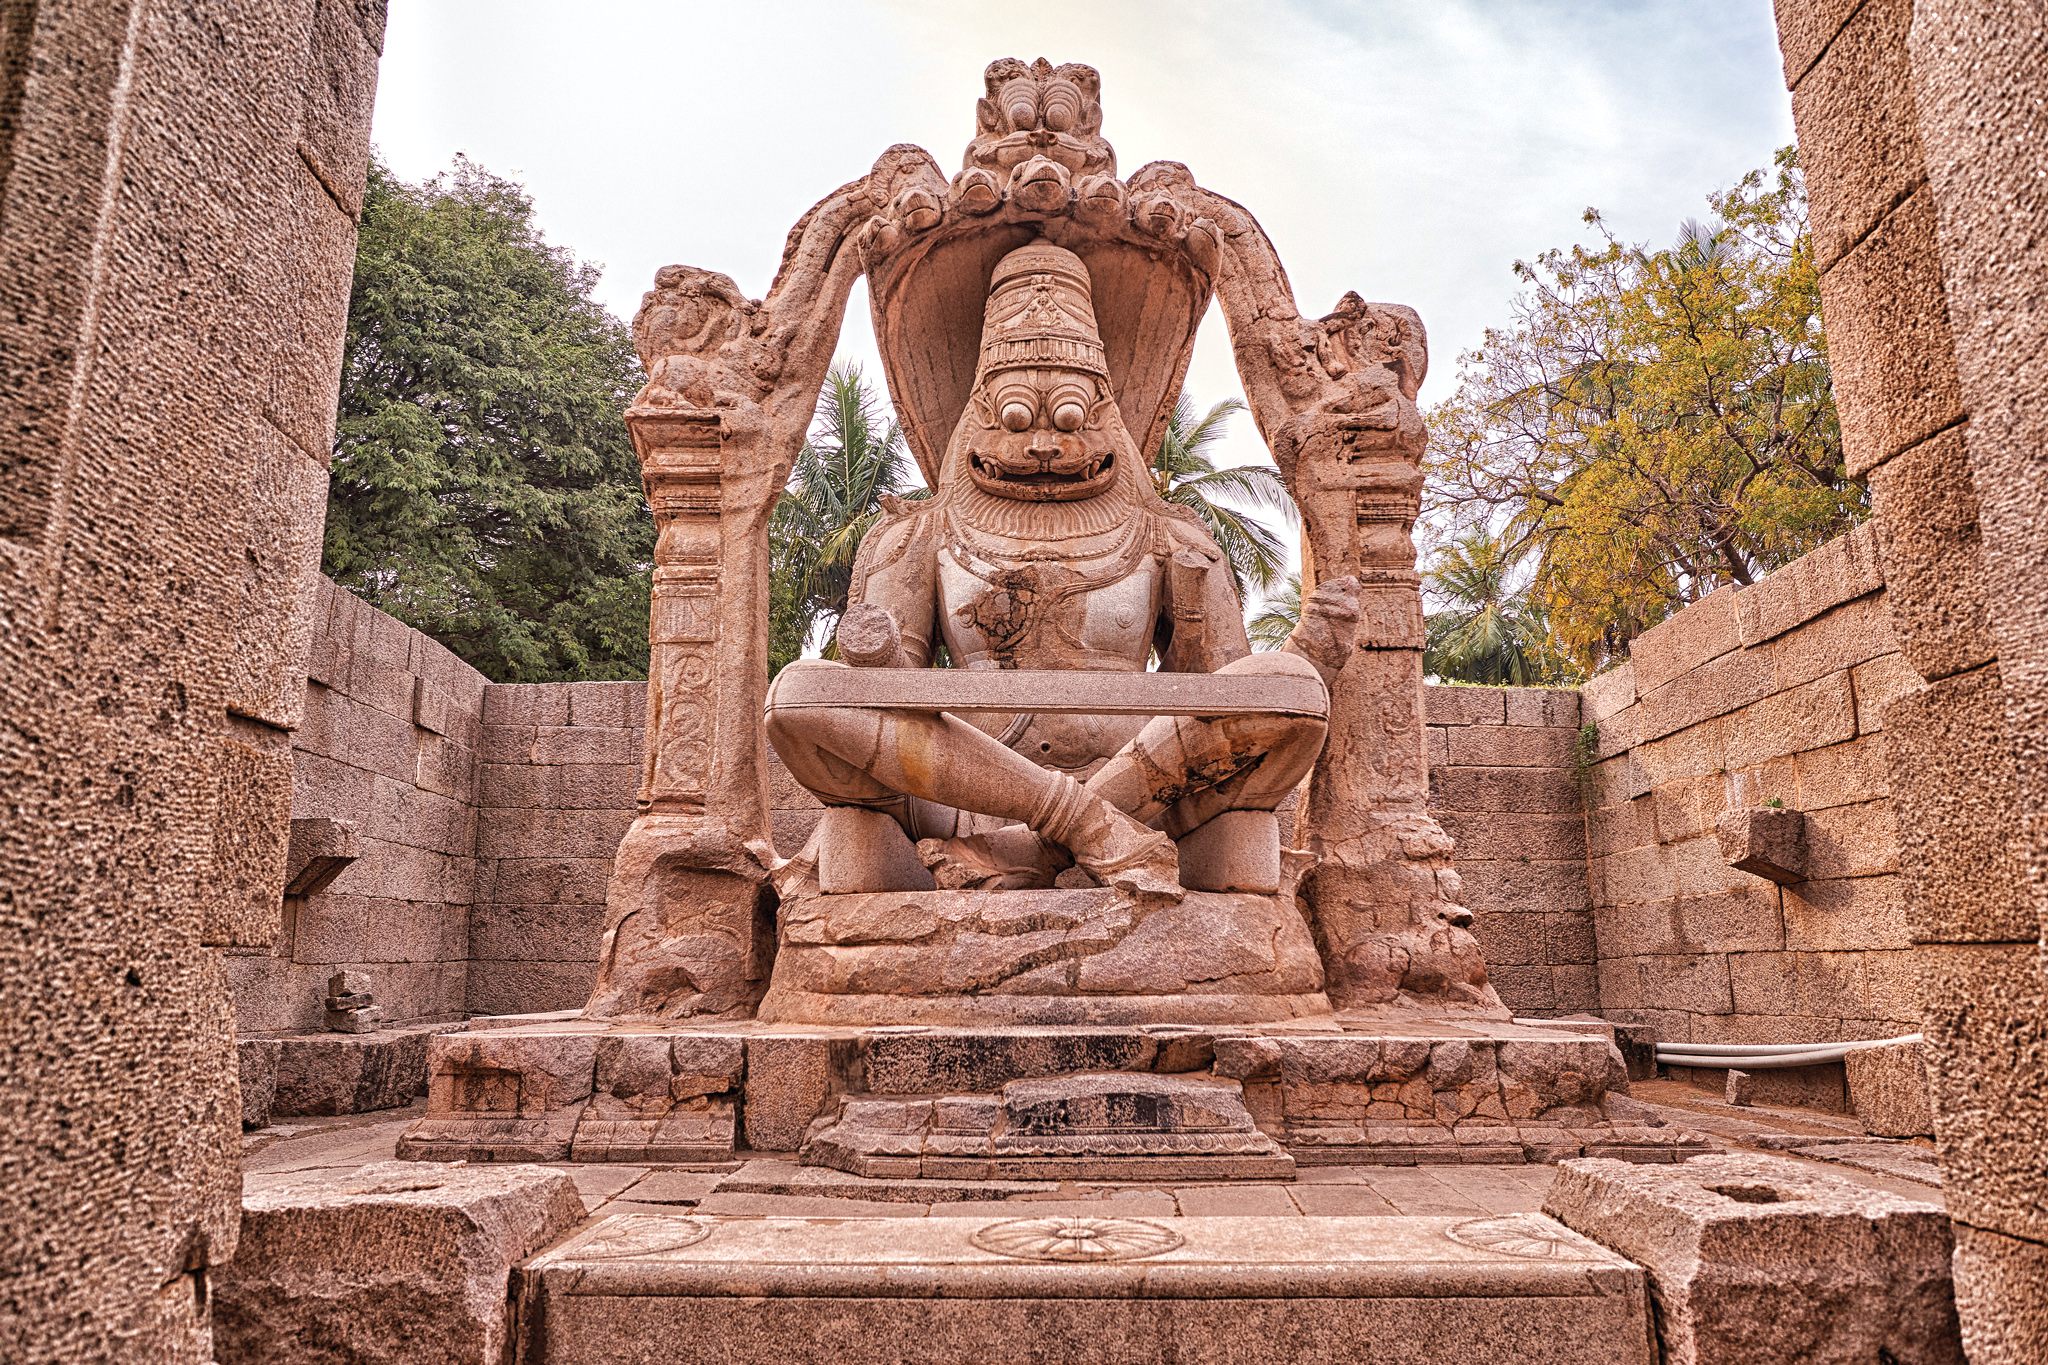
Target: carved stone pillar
pixel 1387 902
pixel 689 919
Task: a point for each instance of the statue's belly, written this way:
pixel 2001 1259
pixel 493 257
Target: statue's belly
pixel 1024 622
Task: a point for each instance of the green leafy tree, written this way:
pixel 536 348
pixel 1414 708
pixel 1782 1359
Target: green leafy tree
pixel 1277 616
pixel 1654 424
pixel 1491 632
pixel 1184 474
pixel 855 456
pixel 484 488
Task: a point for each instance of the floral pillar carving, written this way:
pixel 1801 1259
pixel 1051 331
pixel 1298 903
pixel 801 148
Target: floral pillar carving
pixel 732 383
pixel 680 466
pixel 1335 399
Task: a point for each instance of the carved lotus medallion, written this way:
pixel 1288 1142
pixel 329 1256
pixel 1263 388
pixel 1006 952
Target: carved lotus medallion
pixel 1076 1239
pixel 1516 1235
pixel 642 1235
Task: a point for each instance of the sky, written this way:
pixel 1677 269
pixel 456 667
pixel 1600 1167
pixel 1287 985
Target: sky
pixel 1409 151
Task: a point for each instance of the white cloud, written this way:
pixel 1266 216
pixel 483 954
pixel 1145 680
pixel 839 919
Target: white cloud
pixel 1408 151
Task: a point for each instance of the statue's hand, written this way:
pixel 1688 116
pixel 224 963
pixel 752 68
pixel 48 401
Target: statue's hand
pixel 870 638
pixel 1329 624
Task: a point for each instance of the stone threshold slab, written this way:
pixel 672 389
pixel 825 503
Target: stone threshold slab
pixel 1517 1289
pixel 769 1175
pixel 1053 692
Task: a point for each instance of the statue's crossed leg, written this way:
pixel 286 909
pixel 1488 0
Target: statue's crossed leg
pixel 1177 774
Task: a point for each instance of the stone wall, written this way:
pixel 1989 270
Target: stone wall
pixel 1775 692
pixel 178 193
pixel 560 773
pixel 490 814
pixel 1504 782
pixel 1921 125
pixel 393 724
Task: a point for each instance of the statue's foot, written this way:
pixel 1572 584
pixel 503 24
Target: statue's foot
pixel 1005 860
pixel 1122 853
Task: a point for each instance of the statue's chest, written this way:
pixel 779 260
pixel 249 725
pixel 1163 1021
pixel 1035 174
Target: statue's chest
pixel 1046 613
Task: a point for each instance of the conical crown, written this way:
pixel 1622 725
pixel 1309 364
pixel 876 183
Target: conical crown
pixel 1040 314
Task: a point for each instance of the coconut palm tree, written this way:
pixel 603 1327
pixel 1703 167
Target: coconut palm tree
pixel 1492 633
pixel 1184 474
pixel 1278 615
pixel 855 456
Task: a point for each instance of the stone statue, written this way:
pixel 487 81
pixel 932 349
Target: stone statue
pixel 1035 314
pixel 1047 548
pixel 1044 928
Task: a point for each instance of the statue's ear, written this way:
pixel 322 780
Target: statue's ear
pixel 1103 406
pixel 984 412
pixel 985 115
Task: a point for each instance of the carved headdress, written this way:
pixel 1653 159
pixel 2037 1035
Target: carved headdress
pixel 1040 313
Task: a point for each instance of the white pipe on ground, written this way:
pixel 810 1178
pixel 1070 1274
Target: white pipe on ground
pixel 1765 1056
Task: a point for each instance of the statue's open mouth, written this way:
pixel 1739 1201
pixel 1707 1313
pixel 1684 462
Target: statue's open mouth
pixel 1044 485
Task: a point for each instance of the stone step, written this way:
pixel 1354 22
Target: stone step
pixel 1516 1289
pixel 1412 1091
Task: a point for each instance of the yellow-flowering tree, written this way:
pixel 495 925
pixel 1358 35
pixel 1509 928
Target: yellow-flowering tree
pixel 1654 424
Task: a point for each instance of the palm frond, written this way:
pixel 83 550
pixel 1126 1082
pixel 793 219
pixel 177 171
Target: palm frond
pixel 1183 473
pixel 1277 616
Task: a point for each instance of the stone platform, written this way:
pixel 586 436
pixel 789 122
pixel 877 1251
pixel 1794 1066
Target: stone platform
pixel 1235 1101
pixel 1518 1289
pixel 1002 958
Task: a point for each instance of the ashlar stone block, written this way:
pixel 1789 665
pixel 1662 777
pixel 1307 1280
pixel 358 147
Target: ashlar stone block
pixel 1770 843
pixel 395 1262
pixel 1888 1090
pixel 1757 1260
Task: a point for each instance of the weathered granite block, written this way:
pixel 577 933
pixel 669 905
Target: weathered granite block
pixel 1764 1259
pixel 396 1262
pixel 256 1065
pixel 352 1073
pixel 1888 1090
pixel 1768 842
pixel 320 850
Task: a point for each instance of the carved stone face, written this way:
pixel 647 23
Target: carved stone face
pixel 1045 435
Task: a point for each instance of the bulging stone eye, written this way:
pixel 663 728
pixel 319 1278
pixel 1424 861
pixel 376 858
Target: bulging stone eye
pixel 1062 107
pixel 1020 105
pixel 1016 416
pixel 1069 415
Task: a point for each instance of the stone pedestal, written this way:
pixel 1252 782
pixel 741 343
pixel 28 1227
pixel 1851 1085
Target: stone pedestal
pixel 1314 1091
pixel 1511 1290
pixel 1094 956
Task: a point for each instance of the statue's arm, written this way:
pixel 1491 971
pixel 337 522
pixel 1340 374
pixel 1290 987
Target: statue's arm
pixel 1206 620
pixel 891 619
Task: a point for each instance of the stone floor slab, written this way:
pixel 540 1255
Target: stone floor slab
pixel 673 1187
pixel 1243 1201
pixel 800 1206
pixel 1342 1201
pixel 1108 1203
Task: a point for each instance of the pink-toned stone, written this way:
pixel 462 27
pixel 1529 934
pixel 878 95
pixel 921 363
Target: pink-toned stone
pixel 1768 842
pixel 394 1262
pixel 1238 850
pixel 1759 1259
